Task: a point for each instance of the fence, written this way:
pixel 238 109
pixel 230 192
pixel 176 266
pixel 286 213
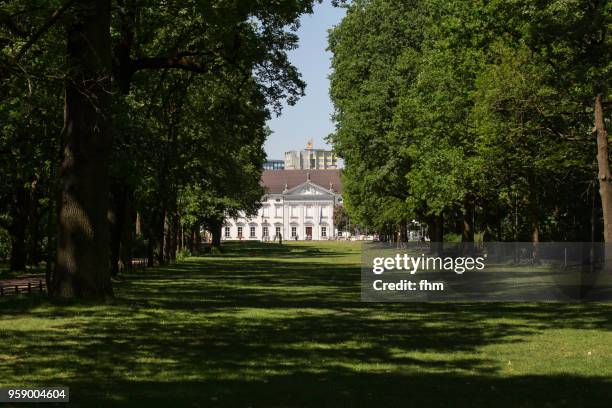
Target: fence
pixel 139 263
pixel 29 287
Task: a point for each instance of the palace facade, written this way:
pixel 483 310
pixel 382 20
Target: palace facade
pixel 299 204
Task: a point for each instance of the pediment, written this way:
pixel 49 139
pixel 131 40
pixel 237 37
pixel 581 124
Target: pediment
pixel 309 189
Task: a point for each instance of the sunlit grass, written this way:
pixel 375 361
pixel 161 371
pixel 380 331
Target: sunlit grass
pixel 263 325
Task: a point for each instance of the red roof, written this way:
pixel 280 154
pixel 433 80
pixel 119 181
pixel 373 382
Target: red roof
pixel 275 180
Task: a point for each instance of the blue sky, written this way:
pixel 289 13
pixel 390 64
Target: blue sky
pixel 311 116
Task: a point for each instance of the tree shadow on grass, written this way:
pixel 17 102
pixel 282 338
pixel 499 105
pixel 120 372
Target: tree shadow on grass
pixel 233 331
pixel 299 249
pixel 344 388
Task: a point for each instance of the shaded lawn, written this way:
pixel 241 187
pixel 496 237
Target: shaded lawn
pixel 6 273
pixel 263 325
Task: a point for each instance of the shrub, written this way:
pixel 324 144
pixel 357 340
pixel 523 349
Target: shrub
pixel 5 244
pixel 182 254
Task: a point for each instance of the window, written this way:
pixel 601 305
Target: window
pixel 252 230
pixel 265 231
pixel 324 232
pixel 278 200
pixel 293 232
pixel 279 211
pixel 294 211
pixel 278 232
pixel 239 232
pixel 309 211
pixel 227 232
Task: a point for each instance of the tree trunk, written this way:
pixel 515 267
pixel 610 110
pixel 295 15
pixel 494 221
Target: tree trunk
pixel 191 240
pixel 52 219
pixel 18 227
pixel 499 219
pixel 593 221
pixel 404 231
pixel 431 228
pixel 182 239
pixel 487 225
pixel 197 239
pixel 167 237
pixel 215 230
pixel 151 252
pixel 82 268
pixel 487 235
pixel 127 231
pixel 33 224
pixel 605 178
pixel 158 237
pixel 533 209
pixel 534 216
pixel 467 226
pixel 121 220
pixel 115 228
pixel 439 220
pixel 138 227
pixel 174 236
pixel 436 235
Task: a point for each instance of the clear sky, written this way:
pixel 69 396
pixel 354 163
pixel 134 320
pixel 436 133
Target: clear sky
pixel 310 118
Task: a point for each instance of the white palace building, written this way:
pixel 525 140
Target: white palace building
pixel 299 204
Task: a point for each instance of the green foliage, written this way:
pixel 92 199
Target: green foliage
pixel 193 84
pixel 182 254
pixel 5 244
pixel 440 108
pixel 365 85
pixel 215 250
pixel 341 218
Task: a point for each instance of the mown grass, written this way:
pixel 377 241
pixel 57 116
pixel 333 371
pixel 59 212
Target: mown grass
pixel 6 273
pixel 268 326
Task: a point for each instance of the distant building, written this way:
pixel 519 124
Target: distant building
pixel 274 165
pixel 299 204
pixel 310 159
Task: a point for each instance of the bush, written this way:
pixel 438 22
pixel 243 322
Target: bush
pixel 215 250
pixel 452 237
pixel 211 250
pixel 182 254
pixel 5 244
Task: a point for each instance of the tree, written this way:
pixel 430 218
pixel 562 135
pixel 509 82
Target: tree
pixel 341 218
pixel 448 115
pixel 573 40
pixel 364 88
pixel 30 121
pixel 246 39
pixel 218 39
pixel 82 269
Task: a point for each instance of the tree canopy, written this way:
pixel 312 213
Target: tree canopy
pixel 127 126
pixel 475 117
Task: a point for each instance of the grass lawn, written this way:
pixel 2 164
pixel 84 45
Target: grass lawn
pixel 5 273
pixel 270 326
